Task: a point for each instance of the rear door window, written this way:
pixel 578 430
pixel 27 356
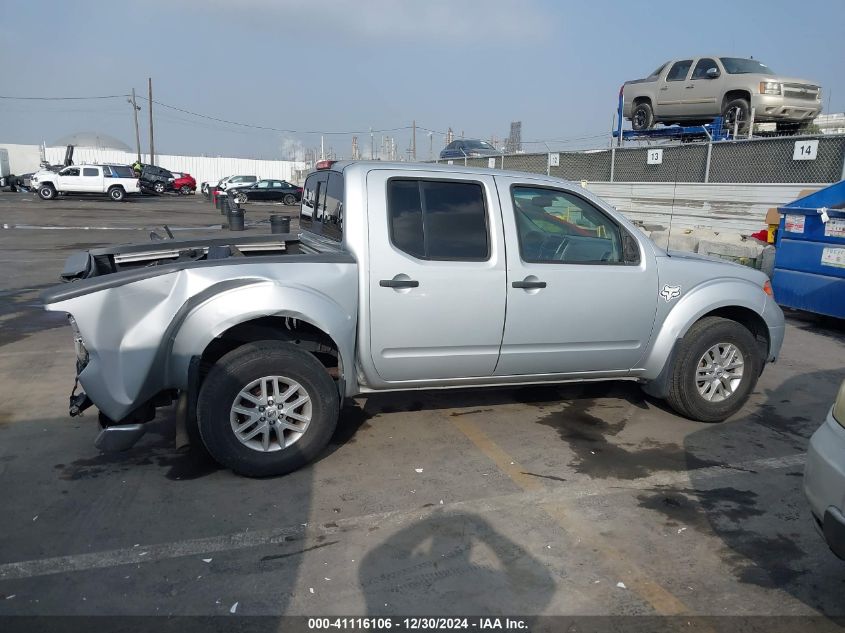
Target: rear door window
pixel 679 70
pixel 438 219
pixel 90 171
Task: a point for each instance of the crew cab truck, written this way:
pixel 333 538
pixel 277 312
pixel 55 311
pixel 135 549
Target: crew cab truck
pixel 115 181
pixel 696 90
pixel 405 276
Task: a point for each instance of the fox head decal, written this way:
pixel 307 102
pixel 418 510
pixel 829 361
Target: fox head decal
pixel 670 292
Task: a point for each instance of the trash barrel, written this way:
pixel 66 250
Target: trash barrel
pixel 222 202
pixel 236 219
pixel 279 224
pixel 212 193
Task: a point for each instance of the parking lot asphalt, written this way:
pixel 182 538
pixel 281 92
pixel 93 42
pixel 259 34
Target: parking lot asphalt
pixel 587 499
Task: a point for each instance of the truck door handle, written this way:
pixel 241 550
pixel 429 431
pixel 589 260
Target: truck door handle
pixel 399 283
pixel 529 284
pixel 688 87
pixel 664 87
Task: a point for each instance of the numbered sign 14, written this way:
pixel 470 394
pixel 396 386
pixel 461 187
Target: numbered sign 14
pixel 654 157
pixel 806 150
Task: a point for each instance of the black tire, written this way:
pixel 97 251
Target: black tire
pixel 117 194
pixel 240 197
pixel 185 190
pixel 736 108
pixel 46 191
pixel 290 199
pixel 158 187
pixel 684 396
pixel 237 369
pixel 642 117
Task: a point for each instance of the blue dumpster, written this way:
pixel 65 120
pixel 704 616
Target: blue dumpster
pixel 810 257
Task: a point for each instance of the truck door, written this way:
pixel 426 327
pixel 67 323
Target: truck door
pixel 437 274
pixel 69 179
pixel 91 180
pixel 581 294
pixel 671 94
pixel 702 90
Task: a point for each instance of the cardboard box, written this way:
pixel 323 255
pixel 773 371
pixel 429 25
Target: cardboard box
pixel 772 217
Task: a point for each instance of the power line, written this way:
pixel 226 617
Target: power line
pixel 270 128
pixel 64 98
pixel 275 129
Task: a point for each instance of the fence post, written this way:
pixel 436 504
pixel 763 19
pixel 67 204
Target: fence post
pixel 612 162
pixel 707 162
pixel 842 177
pixel 503 161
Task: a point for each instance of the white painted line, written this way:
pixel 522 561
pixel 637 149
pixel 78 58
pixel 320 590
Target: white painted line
pixel 257 538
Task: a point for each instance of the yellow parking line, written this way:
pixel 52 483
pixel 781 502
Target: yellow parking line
pixel 635 578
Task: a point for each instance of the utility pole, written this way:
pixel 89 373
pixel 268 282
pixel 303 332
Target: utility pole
pixel 135 109
pixel 152 143
pixel 322 150
pixel 414 141
pixel 372 145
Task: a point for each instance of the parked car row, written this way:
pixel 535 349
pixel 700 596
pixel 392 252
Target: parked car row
pixel 253 189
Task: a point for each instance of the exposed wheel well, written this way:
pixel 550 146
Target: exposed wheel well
pixel 638 100
pixel 116 187
pixel 735 94
pixel 749 319
pixel 301 333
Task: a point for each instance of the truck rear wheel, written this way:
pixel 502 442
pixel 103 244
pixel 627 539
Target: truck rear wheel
pixel 117 194
pixel 46 191
pixel 715 370
pixel 642 118
pixel 267 408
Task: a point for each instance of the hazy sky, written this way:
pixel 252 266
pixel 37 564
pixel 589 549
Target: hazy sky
pixel 344 66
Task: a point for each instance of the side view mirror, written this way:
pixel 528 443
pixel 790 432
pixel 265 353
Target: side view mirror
pixel 712 73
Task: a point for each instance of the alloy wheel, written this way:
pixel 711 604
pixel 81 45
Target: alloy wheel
pixel 719 372
pixel 270 413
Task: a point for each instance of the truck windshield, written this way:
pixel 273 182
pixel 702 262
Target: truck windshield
pixel 739 66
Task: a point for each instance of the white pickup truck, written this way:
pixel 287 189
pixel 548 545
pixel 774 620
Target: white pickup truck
pixel 115 181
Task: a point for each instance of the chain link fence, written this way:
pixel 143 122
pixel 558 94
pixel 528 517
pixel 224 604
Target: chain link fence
pixel 804 159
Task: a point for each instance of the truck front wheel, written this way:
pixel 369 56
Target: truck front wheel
pixel 46 191
pixel 267 408
pixel 715 370
pixel 736 114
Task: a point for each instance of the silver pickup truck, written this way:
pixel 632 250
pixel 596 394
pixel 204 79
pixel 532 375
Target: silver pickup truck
pixel 404 276
pixel 698 89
